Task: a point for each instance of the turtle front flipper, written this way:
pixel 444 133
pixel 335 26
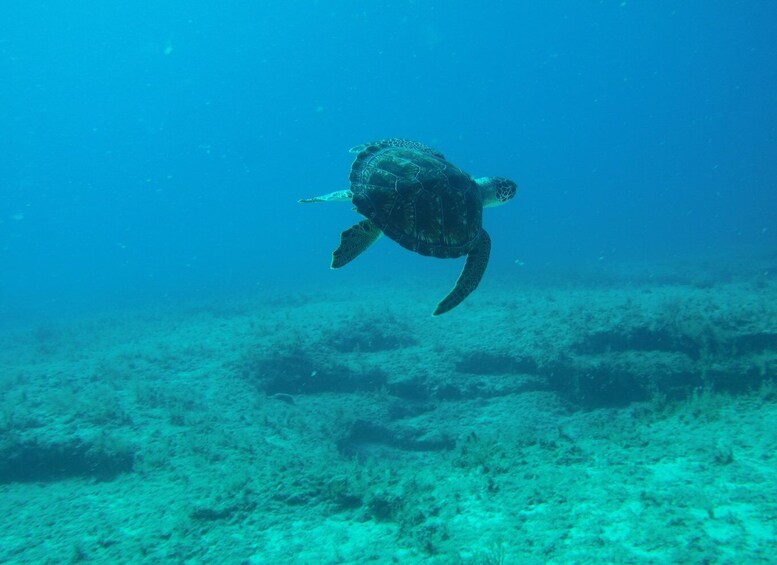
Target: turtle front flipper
pixel 353 241
pixel 473 271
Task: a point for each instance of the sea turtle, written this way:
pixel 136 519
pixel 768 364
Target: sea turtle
pixel 410 192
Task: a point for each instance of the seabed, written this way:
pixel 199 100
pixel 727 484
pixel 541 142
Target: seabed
pixel 631 419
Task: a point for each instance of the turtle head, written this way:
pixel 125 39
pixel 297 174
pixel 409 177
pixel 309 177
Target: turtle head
pixel 496 190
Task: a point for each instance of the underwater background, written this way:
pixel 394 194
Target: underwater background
pixel 185 380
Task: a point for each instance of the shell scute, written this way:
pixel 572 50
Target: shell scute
pixel 416 197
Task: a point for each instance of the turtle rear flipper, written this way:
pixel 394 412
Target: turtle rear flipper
pixel 353 241
pixel 473 271
pixel 336 196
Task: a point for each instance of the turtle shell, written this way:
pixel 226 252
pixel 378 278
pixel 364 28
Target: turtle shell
pixel 416 197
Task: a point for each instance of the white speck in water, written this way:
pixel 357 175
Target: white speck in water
pixel 18 217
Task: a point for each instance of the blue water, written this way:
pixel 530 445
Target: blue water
pixel 155 149
pixel 184 380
